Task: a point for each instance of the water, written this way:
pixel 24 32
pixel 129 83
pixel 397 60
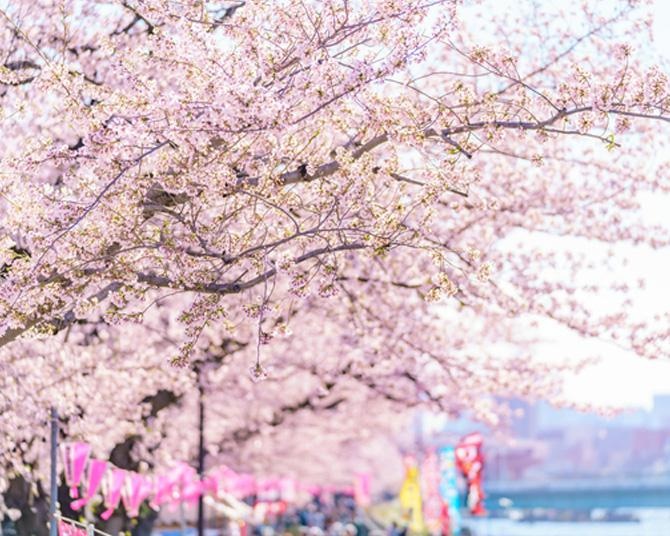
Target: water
pixel 653 522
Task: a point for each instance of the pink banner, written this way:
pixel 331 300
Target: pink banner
pixel 289 489
pixel 66 529
pixel 268 489
pixel 242 485
pixel 210 485
pixel 362 487
pixel 226 480
pixel 430 489
pixel 96 470
pixel 163 491
pixel 192 491
pixel 133 492
pixel 112 483
pixel 75 456
pixel 181 484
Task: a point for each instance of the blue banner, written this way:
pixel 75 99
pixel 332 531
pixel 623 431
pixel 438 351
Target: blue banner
pixel 449 487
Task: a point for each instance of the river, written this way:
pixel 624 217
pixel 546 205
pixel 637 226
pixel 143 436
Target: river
pixel 653 522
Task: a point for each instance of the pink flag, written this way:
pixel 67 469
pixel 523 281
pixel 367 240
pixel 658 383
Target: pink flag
pixel 63 528
pixel 111 490
pixel 148 487
pixel 362 489
pixel 67 529
pixel 74 457
pixel 226 480
pixel 209 485
pixel 288 489
pixel 163 489
pixel 133 493
pixel 192 490
pixel 245 485
pixel 96 470
pixel 170 487
pixel 430 491
pixel 268 489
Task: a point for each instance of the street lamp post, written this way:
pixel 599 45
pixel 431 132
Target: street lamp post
pixel 201 458
pixel 53 492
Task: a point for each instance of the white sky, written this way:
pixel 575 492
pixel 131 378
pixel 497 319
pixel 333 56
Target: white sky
pixel 623 379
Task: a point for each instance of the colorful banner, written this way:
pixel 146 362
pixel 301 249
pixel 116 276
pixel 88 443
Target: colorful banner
pixel 67 529
pixel 410 496
pixel 362 489
pixel 163 491
pixel 75 456
pixel 289 489
pixel 450 515
pixel 112 483
pixel 134 490
pixel 181 484
pixel 96 470
pixel 430 486
pixel 470 461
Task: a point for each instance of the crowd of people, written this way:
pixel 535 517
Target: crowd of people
pixel 338 517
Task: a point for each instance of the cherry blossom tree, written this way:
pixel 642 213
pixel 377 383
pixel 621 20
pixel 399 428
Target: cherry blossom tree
pixel 370 203
pixel 318 416
pixel 247 155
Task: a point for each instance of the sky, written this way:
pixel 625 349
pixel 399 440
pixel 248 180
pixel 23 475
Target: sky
pixel 622 379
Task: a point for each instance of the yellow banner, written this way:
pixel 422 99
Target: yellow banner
pixel 410 498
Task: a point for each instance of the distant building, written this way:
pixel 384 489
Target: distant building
pixel 545 442
pixel 661 411
pixel 524 418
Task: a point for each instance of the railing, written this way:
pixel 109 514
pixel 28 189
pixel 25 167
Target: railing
pixel 88 527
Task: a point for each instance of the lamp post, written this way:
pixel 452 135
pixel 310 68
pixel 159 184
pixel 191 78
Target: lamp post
pixel 53 493
pixel 201 456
